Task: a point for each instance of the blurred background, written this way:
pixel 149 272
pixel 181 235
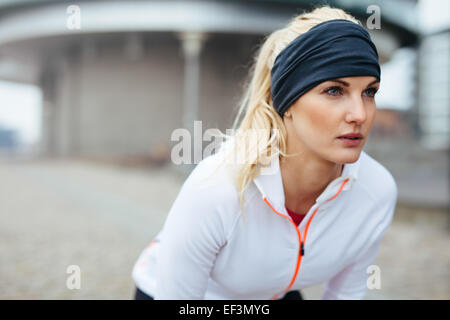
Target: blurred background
pixel 91 92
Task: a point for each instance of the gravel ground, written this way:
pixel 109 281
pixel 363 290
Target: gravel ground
pixel 57 213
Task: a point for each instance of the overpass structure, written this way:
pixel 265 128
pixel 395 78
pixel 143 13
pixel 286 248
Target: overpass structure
pixel 132 71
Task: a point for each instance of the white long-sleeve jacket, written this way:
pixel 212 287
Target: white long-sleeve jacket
pixel 208 250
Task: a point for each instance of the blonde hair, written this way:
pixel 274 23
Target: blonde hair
pixel 256 106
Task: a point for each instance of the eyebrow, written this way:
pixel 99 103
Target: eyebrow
pixel 347 84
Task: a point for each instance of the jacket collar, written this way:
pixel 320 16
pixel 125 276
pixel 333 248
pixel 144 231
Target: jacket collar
pixel 270 183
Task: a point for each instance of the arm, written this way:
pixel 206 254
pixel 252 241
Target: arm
pixel 351 282
pixel 192 237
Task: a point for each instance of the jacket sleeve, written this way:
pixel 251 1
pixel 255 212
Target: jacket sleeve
pixel 351 282
pixel 193 235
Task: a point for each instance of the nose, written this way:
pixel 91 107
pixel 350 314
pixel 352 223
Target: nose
pixel 356 111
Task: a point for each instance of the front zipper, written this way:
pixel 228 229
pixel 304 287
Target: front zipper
pixel 301 251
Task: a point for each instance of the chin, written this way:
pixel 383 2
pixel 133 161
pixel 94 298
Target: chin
pixel 348 155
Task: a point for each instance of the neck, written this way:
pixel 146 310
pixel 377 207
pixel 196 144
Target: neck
pixel 305 177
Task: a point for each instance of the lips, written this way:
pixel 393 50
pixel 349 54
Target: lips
pixel 352 136
pixel 352 139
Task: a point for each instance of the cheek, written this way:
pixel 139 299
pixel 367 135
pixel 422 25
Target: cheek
pixel 323 119
pixel 371 114
pixel 316 122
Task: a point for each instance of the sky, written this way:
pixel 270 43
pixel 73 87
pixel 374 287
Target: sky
pixel 434 15
pixel 20 109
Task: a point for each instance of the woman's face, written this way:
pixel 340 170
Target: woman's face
pixel 318 119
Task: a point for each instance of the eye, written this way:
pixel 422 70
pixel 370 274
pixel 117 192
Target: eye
pixel 371 92
pixel 334 91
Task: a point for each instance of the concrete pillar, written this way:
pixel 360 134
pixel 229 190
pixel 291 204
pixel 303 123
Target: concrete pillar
pixel 47 82
pixel 68 103
pixel 192 43
pixel 134 49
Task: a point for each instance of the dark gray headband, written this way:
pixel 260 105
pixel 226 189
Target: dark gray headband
pixel 331 49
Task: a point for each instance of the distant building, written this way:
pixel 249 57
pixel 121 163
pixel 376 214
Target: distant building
pixel 8 139
pixel 434 89
pixel 136 70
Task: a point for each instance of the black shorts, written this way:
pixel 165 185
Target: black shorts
pixel 140 295
pixel 290 295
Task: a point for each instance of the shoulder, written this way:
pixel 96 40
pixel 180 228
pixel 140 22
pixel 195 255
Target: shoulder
pixel 376 179
pixel 208 194
pixel 211 180
pixel 378 196
pixel 206 208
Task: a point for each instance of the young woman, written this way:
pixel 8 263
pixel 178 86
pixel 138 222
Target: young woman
pixel 310 208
